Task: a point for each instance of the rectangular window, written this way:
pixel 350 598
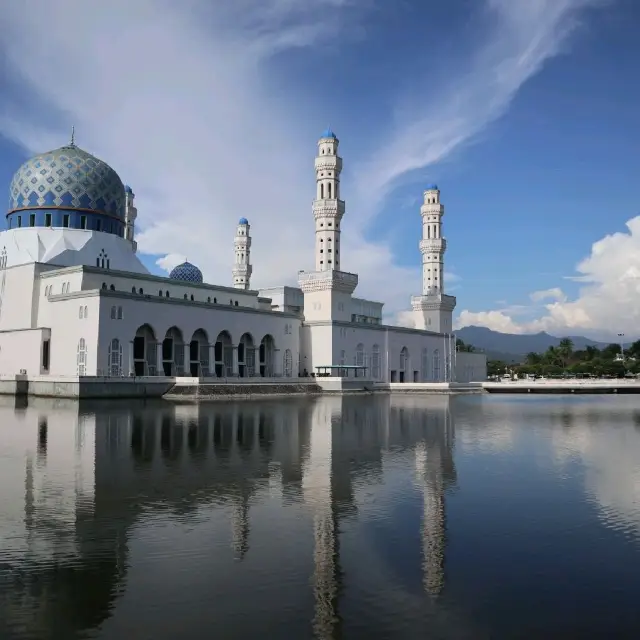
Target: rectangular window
pixel 98 225
pixel 19 221
pixel 45 355
pixel 65 220
pixel 32 220
pixel 83 222
pixel 47 219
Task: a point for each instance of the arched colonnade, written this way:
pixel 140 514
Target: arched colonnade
pixel 175 354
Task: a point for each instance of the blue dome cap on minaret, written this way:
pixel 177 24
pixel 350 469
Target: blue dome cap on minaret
pixel 328 133
pixel 243 221
pixel 186 272
pixel 432 187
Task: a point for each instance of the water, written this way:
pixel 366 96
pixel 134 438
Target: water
pixel 468 517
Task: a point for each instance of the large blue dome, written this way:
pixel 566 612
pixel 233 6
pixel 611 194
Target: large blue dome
pixel 70 179
pixel 187 272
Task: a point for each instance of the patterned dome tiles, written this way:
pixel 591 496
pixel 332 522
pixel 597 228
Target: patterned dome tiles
pixel 187 272
pixel 68 177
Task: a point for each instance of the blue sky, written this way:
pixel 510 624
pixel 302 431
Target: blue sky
pixel 523 111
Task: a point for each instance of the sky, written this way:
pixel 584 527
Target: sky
pixel 524 112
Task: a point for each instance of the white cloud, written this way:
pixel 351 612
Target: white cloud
pixel 548 294
pixel 608 302
pixel 177 97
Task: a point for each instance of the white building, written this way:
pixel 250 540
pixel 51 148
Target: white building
pixel 75 300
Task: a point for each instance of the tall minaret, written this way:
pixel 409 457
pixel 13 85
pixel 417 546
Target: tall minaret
pixel 130 215
pixel 433 310
pixel 328 209
pixel 242 268
pixel 327 290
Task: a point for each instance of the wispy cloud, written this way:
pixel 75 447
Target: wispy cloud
pixel 521 35
pixel 178 98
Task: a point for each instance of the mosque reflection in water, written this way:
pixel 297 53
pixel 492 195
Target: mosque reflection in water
pixel 79 480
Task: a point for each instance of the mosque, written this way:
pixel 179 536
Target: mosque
pixel 76 301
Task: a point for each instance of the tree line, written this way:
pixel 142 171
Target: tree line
pixel 564 359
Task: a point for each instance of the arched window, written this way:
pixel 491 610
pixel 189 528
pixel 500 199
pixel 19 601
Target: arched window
pixel 112 287
pixel 82 357
pixel 104 286
pixel 425 364
pixel 215 301
pixel 192 297
pixel 166 294
pixel 140 291
pixel 288 363
pixel 436 365
pixel 115 358
pixel 236 303
pixel 113 313
pixel 119 313
pixel 375 362
pixel 160 292
pixel 133 289
pixel 86 312
pixel 185 296
pixel 208 298
pixel 360 355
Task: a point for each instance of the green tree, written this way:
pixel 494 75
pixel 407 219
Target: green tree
pixel 565 350
pixel 464 348
pixel 533 358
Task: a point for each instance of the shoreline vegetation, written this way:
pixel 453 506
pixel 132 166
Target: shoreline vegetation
pixel 612 361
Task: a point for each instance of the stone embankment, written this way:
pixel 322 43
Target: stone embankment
pixel 190 392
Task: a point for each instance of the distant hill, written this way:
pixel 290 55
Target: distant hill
pixel 510 347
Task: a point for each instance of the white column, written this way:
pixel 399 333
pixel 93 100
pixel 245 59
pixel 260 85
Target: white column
pixel 212 360
pixel 159 363
pixel 432 245
pixel 235 360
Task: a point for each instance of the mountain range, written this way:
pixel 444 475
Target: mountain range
pixel 511 348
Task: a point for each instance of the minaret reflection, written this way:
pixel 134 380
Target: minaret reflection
pixel 435 473
pixel 317 488
pixel 346 440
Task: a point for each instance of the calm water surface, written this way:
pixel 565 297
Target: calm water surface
pixel 476 517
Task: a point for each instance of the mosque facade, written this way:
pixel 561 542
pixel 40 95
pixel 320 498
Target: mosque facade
pixel 76 301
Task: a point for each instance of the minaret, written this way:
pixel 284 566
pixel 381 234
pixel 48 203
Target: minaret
pixel 242 268
pixel 130 215
pixel 433 310
pixel 328 209
pixel 327 290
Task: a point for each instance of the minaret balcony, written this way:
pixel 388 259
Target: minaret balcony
pixel 329 163
pixel 433 245
pixel 432 210
pixel 328 207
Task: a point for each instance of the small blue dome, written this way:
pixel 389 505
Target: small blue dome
pixel 186 272
pixel 432 187
pixel 128 189
pixel 243 221
pixel 327 133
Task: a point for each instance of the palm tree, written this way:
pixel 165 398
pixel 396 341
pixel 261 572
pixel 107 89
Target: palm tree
pixel 565 350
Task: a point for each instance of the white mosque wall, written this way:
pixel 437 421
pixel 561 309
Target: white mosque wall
pixel 471 367
pixel 22 350
pixel 161 314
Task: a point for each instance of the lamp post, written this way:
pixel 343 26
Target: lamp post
pixel 621 336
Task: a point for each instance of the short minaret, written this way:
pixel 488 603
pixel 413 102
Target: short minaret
pixel 327 290
pixel 242 268
pixel 433 310
pixel 328 209
pixel 130 215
